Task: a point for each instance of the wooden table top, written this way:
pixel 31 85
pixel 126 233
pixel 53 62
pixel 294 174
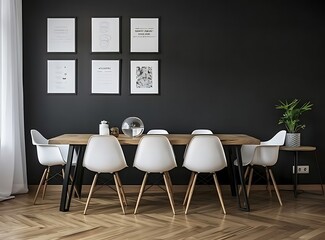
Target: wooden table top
pixel 175 139
pixel 298 149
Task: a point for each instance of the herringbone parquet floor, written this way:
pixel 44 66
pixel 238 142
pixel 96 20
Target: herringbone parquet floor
pixel 301 218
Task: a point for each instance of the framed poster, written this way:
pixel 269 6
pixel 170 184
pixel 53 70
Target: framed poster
pixel 144 35
pixel 105 34
pixel 61 35
pixel 144 77
pixel 61 76
pixel 105 76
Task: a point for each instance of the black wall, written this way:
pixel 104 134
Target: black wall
pixel 223 65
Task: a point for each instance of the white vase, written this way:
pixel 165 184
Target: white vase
pixel 292 140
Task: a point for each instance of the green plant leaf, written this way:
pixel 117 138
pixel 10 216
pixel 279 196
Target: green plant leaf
pixel 292 113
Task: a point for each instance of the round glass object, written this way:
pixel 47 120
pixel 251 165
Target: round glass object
pixel 132 126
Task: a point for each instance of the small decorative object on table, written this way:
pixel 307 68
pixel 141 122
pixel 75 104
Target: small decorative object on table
pixel 290 119
pixel 103 128
pixel 115 131
pixel 132 127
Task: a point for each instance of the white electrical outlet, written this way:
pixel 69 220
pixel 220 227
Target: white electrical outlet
pixel 302 169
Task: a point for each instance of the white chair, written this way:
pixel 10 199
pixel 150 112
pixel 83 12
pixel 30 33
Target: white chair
pixel 157 131
pixel 48 155
pixel 104 155
pixel 155 155
pixel 199 132
pixel 204 154
pixel 278 139
pixel 247 151
pixel 266 155
pixel 202 131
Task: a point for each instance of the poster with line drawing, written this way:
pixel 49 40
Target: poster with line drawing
pixel 144 77
pixel 105 34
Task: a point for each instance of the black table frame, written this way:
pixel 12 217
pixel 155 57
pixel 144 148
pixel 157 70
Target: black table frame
pixel 295 151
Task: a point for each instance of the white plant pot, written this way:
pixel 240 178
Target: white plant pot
pixel 292 140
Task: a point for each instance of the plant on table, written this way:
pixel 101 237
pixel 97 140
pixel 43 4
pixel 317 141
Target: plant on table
pixel 292 112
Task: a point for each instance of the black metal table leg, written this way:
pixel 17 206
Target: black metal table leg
pixel 320 174
pixel 65 187
pixel 78 173
pixel 295 162
pixel 231 172
pixel 246 206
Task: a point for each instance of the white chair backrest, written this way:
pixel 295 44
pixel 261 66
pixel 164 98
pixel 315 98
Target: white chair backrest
pixel 202 131
pixel 48 155
pixel 265 155
pixel 205 154
pixel 104 154
pixel 278 139
pixel 157 131
pixel 154 154
pixel 37 137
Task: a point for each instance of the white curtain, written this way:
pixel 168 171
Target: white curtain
pixel 13 177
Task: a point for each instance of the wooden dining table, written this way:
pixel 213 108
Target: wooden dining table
pixel 78 142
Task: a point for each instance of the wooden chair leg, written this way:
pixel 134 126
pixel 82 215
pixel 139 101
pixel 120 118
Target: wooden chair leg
pixel 191 193
pixel 245 177
pixel 91 192
pixel 170 185
pixel 268 182
pixel 250 181
pixel 118 189
pixel 40 184
pixel 169 192
pixel 122 189
pixel 188 188
pixel 62 170
pixel 275 187
pixel 219 192
pixel 170 182
pixel 45 182
pixel 141 192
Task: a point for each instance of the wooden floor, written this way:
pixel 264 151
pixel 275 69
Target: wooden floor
pixel 301 218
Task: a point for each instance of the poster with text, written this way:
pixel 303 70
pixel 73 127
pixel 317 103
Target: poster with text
pixel 61 35
pixel 144 35
pixel 61 76
pixel 105 76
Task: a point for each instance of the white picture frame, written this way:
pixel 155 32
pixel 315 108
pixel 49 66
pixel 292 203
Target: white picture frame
pixel 144 34
pixel 144 77
pixel 105 76
pixel 105 34
pixel 61 76
pixel 61 35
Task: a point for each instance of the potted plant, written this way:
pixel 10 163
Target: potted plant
pixel 290 119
